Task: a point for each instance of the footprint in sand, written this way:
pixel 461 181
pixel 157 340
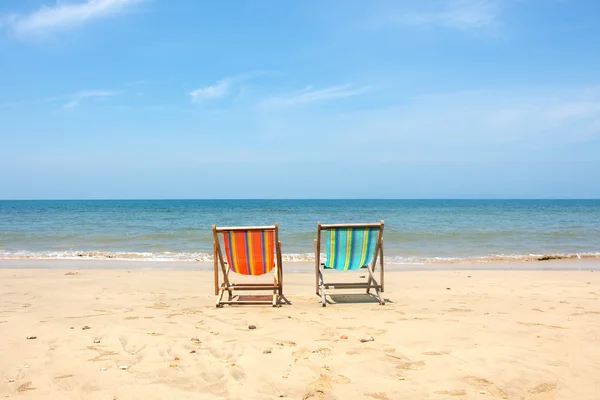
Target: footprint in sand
pixel 542 325
pixel 133 350
pixel 318 389
pixel 159 305
pixel 347 328
pixel 101 353
pixel 286 343
pixel 237 373
pixel 375 332
pixel 586 312
pixel 329 334
pixel 484 384
pixel 321 352
pixel 455 392
pixel 543 391
pixel 312 359
pixel 341 379
pixel 322 386
pixel 411 365
pixel 378 396
pixel 63 376
pixel 25 387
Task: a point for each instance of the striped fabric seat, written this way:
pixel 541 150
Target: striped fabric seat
pixel 350 248
pixel 250 252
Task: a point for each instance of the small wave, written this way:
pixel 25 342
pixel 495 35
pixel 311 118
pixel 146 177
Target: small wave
pixel 103 255
pixel 290 257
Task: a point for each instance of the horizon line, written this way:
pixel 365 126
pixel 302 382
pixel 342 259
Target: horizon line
pixel 307 198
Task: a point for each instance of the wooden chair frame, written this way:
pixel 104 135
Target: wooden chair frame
pixel 228 286
pixel 321 285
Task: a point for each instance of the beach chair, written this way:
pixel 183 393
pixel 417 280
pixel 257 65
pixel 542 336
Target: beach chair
pixel 350 247
pixel 252 251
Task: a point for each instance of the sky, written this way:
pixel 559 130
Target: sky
pixel 145 99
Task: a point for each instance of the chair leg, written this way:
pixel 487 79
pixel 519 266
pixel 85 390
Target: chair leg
pixel 377 286
pixel 381 266
pixel 379 296
pixel 321 290
pixel 370 280
pixel 220 298
pixel 317 271
pixel 280 271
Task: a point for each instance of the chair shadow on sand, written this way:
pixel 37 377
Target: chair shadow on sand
pixel 261 297
pixel 353 298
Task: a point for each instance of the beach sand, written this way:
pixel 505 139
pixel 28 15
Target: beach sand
pixel 478 334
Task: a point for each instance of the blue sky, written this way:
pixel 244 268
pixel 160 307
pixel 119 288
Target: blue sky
pixel 299 99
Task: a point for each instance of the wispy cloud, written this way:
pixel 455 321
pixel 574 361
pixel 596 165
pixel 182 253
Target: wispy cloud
pixel 310 95
pixel 526 118
pixel 486 125
pixel 219 89
pixel 454 14
pixel 81 96
pixel 64 16
pixel 73 100
pixel 223 87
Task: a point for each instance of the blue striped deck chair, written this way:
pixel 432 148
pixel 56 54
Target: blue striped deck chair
pixel 350 247
pixel 250 251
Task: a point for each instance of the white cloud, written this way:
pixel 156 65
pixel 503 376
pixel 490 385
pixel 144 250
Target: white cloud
pixel 223 87
pixel 455 14
pixel 63 16
pixel 80 96
pixel 219 89
pixel 308 95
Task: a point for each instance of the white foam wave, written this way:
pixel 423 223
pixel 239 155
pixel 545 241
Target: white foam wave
pixel 290 258
pixel 102 255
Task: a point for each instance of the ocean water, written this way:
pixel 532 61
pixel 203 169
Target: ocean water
pixel 416 231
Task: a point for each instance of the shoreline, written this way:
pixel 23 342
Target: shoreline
pixel 298 267
pixel 189 257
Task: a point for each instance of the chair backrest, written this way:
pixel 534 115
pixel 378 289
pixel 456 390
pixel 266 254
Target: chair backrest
pixel 351 247
pixel 249 250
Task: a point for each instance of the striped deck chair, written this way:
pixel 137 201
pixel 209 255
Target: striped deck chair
pixel 249 250
pixel 350 247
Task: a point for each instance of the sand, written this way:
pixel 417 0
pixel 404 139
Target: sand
pixel 476 334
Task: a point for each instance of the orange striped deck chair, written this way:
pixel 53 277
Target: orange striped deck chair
pixel 350 247
pixel 251 251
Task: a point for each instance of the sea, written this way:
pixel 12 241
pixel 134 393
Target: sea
pixel 416 231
